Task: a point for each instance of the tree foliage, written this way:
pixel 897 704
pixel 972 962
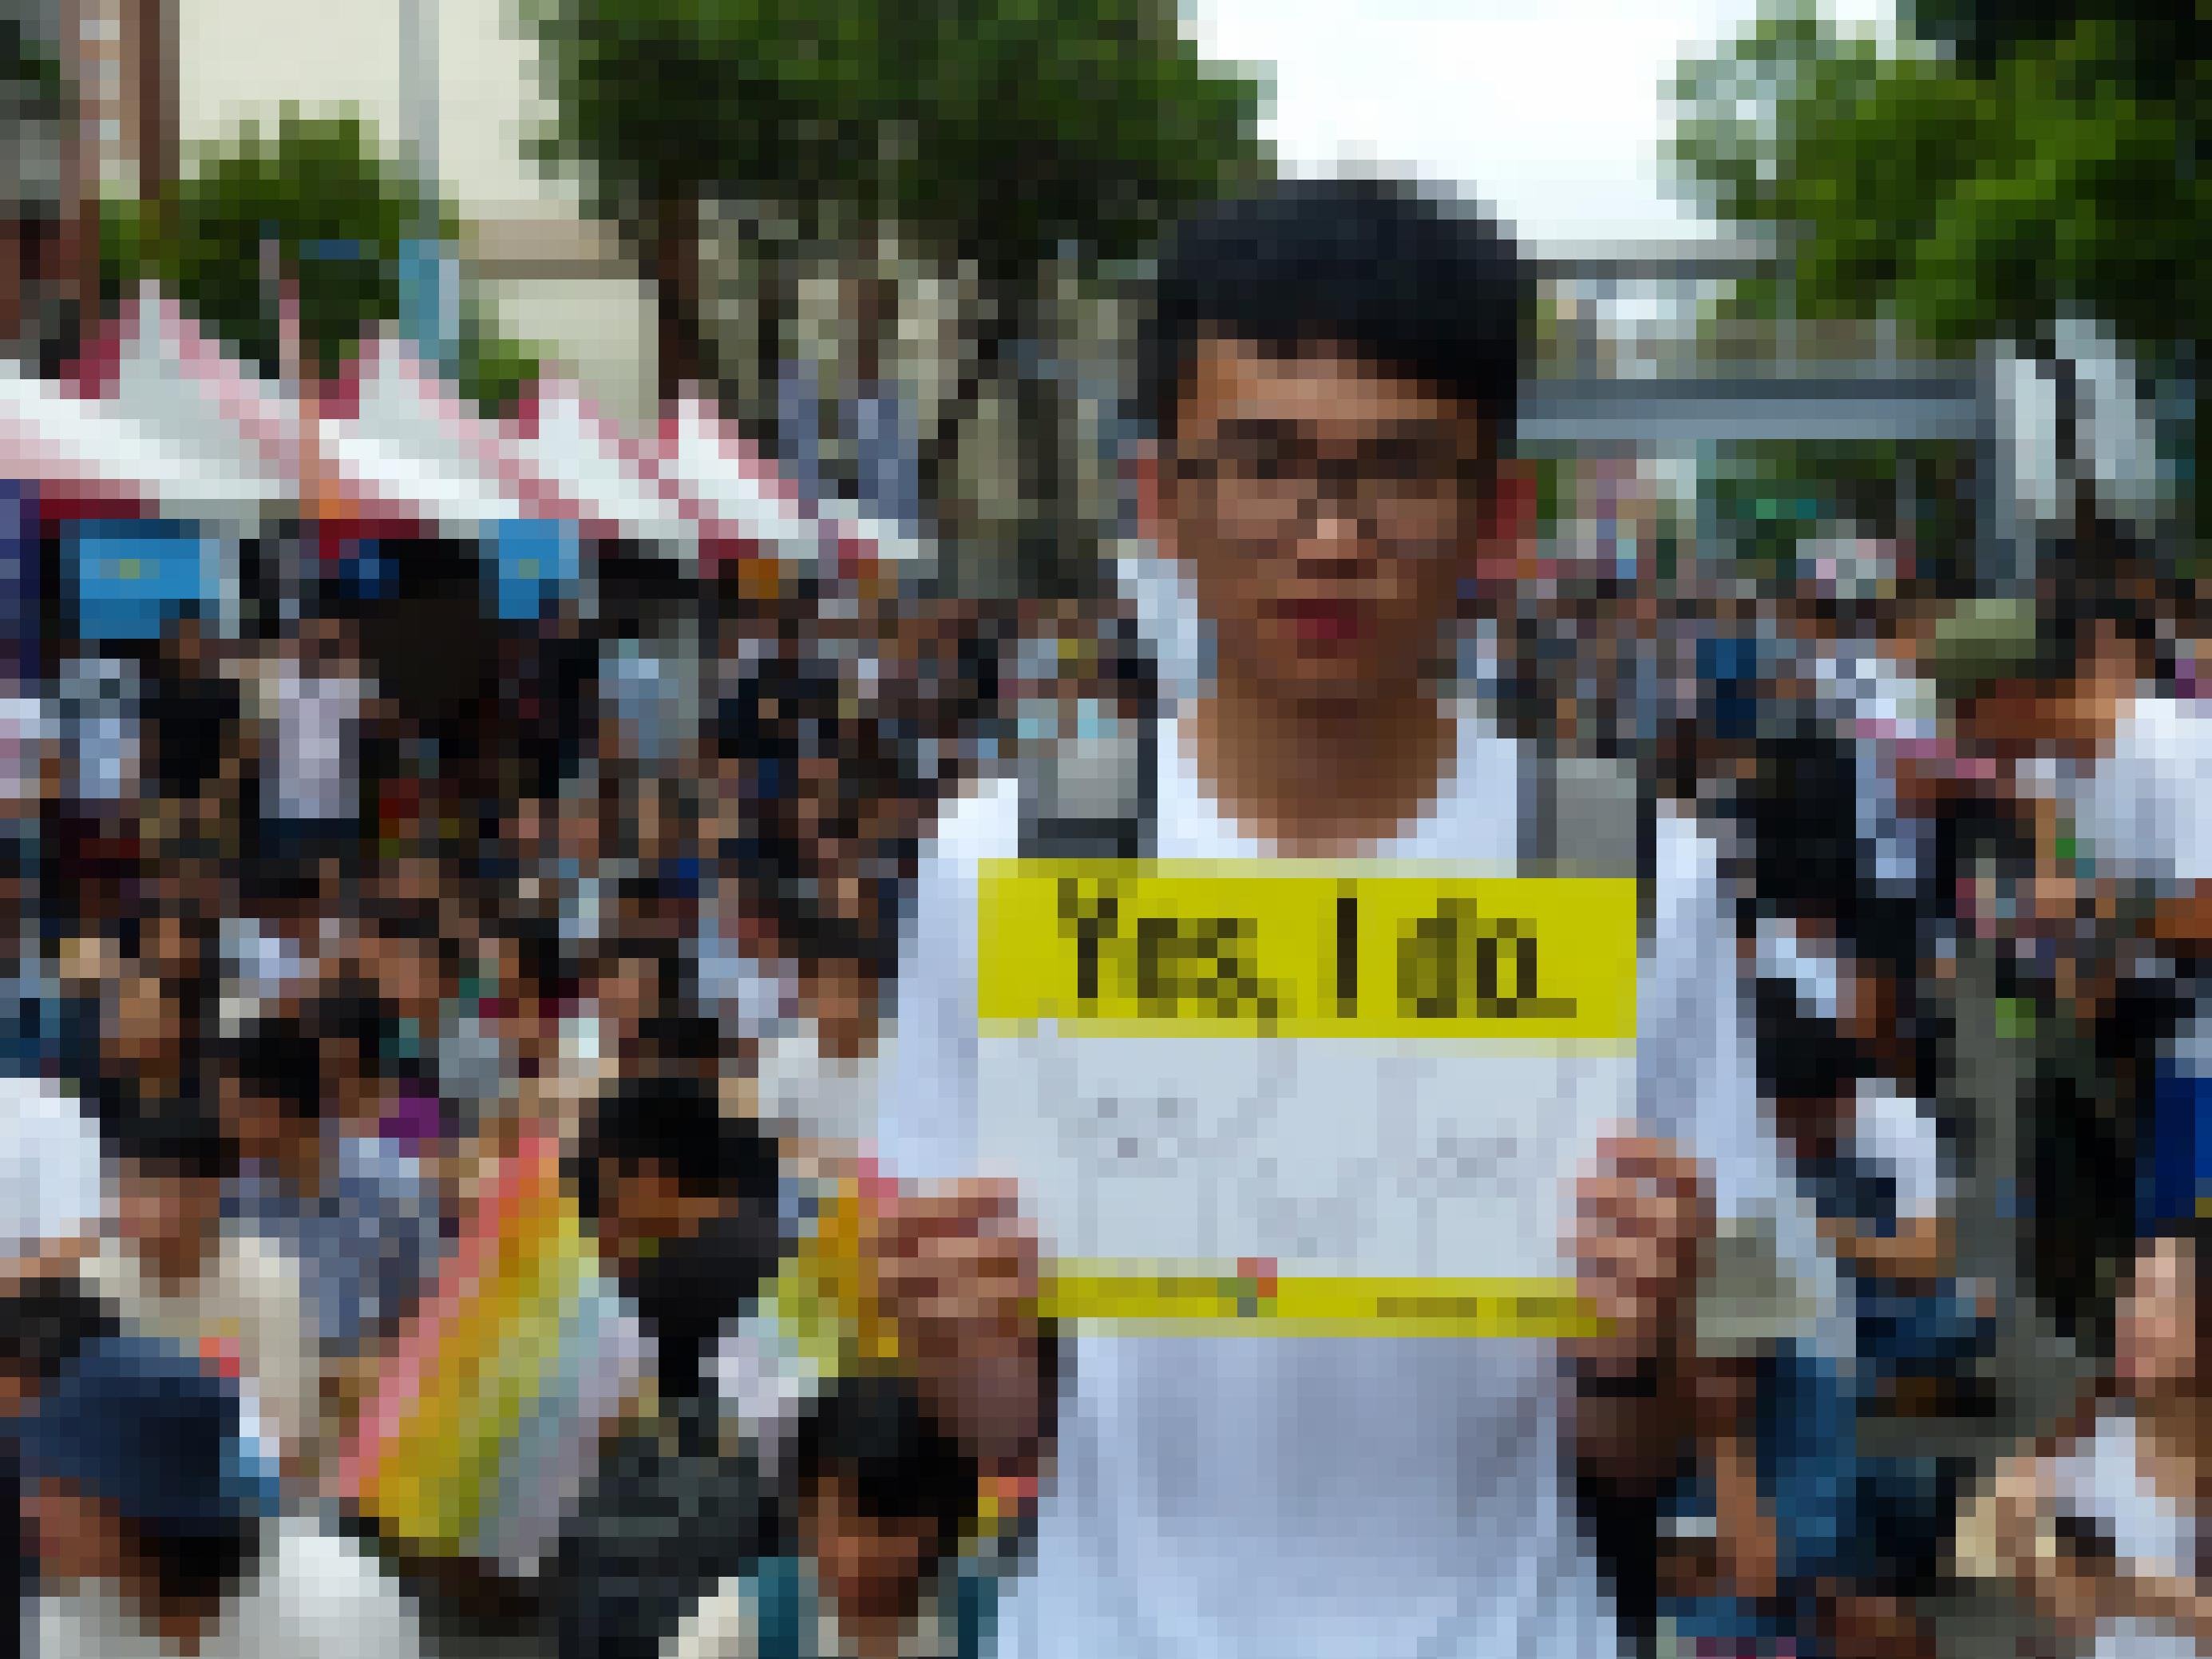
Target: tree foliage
pixel 1007 130
pixel 1038 129
pixel 995 135
pixel 768 101
pixel 1969 207
pixel 2030 169
pixel 337 211
pixel 2160 36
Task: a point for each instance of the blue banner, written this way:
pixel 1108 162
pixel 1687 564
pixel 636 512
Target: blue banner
pixel 18 579
pixel 2176 1174
pixel 129 578
pixel 532 560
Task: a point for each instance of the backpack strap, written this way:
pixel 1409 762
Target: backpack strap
pixel 1092 799
pixel 976 1612
pixel 1587 816
pixel 783 1619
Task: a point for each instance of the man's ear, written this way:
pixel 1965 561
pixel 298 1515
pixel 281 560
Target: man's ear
pixel 1145 470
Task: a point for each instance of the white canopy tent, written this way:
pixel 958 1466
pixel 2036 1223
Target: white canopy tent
pixel 615 485
pixel 161 419
pixel 156 367
pixel 94 451
pixel 397 444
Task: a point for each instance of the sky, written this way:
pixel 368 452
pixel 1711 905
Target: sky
pixel 1550 113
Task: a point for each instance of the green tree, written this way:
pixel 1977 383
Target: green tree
pixel 2160 36
pixel 1967 203
pixel 1041 132
pixel 337 212
pixel 661 105
pixel 33 77
pixel 992 136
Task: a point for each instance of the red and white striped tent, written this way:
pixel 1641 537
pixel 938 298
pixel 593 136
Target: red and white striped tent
pixel 618 489
pixel 159 419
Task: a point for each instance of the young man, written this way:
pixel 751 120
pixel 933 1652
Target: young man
pixel 1331 372
pixel 175 1272
pixel 156 1535
pixel 362 1218
pixel 46 1319
pixel 871 1565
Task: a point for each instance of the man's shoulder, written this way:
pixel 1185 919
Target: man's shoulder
pixel 982 821
pixel 325 1586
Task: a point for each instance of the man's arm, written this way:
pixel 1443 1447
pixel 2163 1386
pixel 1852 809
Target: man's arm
pixel 1641 1218
pixel 1919 1254
pixel 959 1266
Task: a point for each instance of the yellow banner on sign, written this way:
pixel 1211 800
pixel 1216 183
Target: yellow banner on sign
pixel 1184 1303
pixel 1129 948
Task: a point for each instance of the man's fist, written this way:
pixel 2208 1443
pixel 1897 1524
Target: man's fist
pixel 957 1275
pixel 1642 1217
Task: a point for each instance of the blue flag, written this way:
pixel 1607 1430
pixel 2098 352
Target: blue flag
pixel 533 560
pixel 129 578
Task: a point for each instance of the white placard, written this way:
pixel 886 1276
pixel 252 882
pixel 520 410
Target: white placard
pixel 1365 1156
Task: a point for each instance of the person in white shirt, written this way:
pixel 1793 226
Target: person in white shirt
pixel 49 1167
pixel 315 697
pixel 2102 1524
pixel 173 1271
pixel 1331 370
pixel 156 1535
pixel 2105 766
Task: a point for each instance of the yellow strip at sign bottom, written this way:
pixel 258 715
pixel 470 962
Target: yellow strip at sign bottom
pixel 1250 1300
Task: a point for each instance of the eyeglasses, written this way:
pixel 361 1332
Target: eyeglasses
pixel 1408 492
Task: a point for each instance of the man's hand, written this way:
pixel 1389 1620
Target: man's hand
pixel 956 1271
pixel 1642 1217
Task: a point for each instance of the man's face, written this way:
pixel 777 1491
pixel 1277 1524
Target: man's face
pixel 80 1538
pixel 872 1568
pixel 170 1216
pixel 1324 509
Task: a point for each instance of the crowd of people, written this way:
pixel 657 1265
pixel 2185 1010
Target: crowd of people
pixel 447 1196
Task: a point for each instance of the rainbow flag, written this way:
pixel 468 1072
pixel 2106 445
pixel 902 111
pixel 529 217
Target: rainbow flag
pixel 480 1436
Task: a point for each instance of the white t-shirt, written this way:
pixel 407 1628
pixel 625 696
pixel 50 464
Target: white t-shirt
pixel 26 736
pixel 50 1167
pixel 801 1091
pixel 1895 1137
pixel 315 1594
pixel 2103 1479
pixel 249 1304
pixel 2145 809
pixel 316 718
pixel 1223 1497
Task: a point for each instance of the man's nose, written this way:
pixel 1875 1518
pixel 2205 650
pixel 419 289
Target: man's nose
pixel 1332 536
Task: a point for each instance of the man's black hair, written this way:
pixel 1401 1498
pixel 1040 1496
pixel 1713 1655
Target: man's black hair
pixel 677 1122
pixel 175 1135
pixel 47 1321
pixel 1800 816
pixel 2118 585
pixel 1798 1055
pixel 275 1059
pixel 195 719
pixel 199 1567
pixel 682 1040
pixel 871 1433
pixel 1412 282
pixel 355 1015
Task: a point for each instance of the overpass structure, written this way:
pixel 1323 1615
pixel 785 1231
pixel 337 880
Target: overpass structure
pixel 1878 397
